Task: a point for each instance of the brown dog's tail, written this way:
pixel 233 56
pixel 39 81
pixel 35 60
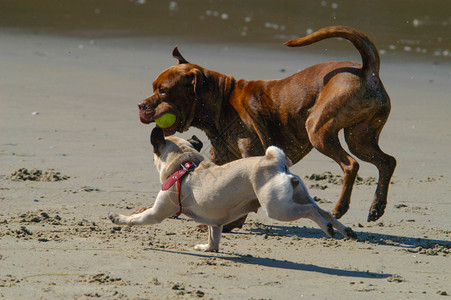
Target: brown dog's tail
pixel 370 56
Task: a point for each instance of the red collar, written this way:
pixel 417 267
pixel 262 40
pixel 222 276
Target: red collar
pixel 177 176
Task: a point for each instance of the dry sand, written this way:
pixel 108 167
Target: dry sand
pixel 68 116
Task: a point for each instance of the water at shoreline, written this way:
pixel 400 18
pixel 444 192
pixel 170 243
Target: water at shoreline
pixel 420 28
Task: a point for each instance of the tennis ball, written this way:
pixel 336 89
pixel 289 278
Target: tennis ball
pixel 166 120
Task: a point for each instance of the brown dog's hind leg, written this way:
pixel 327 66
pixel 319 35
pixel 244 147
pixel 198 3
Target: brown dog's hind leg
pixel 325 139
pixel 330 146
pixel 362 140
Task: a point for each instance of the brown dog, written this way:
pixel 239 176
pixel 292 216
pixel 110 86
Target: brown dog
pixel 305 110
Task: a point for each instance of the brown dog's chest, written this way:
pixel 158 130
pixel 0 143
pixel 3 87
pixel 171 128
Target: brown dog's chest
pixel 231 141
pixel 235 140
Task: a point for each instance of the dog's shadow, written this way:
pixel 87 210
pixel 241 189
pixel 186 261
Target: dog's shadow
pixel 313 233
pixel 277 263
pixel 362 237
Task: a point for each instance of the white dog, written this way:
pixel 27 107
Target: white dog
pixel 217 195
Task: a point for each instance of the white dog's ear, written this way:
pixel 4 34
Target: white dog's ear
pixel 157 139
pixel 289 162
pixel 197 144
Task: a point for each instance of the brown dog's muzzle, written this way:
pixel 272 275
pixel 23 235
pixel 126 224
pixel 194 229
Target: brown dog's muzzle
pixel 146 114
pixel 151 110
pixel 142 106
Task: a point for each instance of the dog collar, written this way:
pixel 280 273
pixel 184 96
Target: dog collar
pixel 177 176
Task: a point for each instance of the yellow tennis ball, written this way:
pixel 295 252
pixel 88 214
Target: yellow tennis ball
pixel 166 120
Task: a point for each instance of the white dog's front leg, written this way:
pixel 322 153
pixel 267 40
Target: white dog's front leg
pixel 119 219
pixel 214 236
pixel 163 208
pixel 147 217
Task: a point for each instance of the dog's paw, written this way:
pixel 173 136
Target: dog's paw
pixel 350 233
pixel 115 218
pixel 339 212
pixel 376 212
pixel 205 248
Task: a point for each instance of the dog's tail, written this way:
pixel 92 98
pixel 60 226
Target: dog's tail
pixel 277 154
pixel 369 53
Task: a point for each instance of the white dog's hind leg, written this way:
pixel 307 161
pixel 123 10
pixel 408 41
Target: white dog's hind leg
pixel 290 211
pixel 311 212
pixel 345 231
pixel 214 236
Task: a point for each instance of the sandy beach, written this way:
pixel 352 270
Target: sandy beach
pixel 72 149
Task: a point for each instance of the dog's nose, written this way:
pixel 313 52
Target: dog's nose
pixel 142 106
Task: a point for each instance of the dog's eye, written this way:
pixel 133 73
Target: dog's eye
pixel 162 91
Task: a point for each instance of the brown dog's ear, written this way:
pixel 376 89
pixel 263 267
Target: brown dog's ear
pixel 176 54
pixel 197 80
pixel 157 139
pixel 197 144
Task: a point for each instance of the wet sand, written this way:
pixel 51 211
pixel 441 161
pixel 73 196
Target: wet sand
pixel 68 105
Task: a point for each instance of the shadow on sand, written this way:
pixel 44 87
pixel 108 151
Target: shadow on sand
pixel 363 237
pixel 302 232
pixel 276 263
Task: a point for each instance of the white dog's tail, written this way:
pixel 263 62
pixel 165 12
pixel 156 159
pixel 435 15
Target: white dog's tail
pixel 275 153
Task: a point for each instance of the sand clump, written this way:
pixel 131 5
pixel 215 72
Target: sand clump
pixel 433 249
pixel 102 278
pixel 23 174
pixel 338 179
pixel 39 217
